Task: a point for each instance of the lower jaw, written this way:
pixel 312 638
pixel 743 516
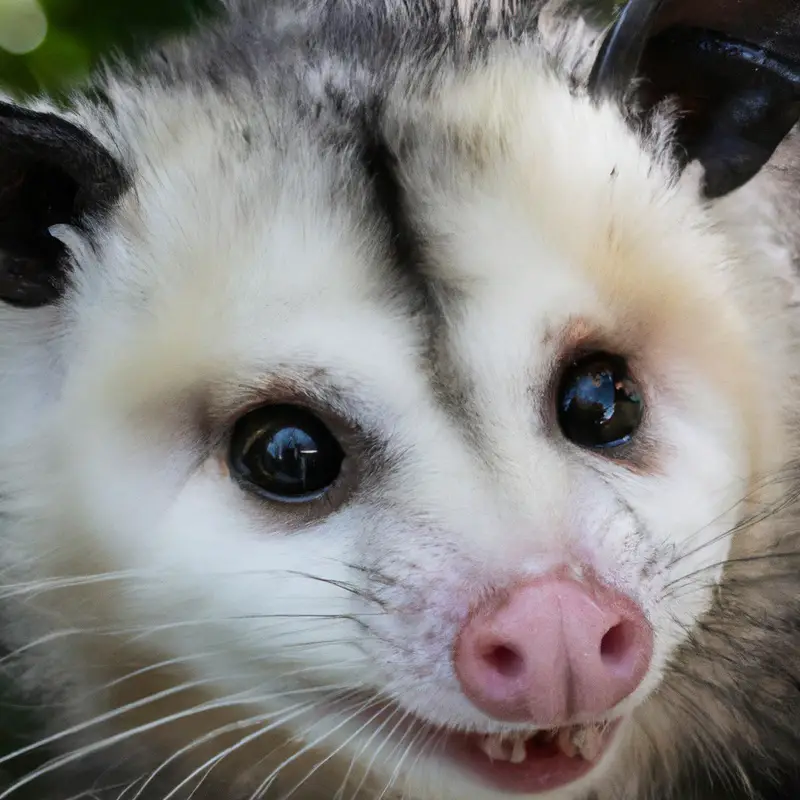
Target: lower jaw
pixel 545 768
pixel 549 762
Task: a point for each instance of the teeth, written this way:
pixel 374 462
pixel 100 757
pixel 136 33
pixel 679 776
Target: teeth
pixel 493 747
pixel 518 753
pixel 500 748
pixel 566 743
pixel 585 741
pixel 588 739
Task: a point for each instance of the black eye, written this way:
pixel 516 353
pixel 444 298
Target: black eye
pixel 599 406
pixel 285 453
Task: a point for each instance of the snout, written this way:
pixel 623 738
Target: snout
pixel 552 651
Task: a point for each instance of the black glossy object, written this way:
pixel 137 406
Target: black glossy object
pixel 733 66
pixel 617 62
pixel 51 172
pixel 739 101
pixel 284 453
pixel 599 405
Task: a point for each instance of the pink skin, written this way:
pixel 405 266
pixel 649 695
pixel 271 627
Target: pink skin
pixel 548 654
pixel 545 768
pixel 554 651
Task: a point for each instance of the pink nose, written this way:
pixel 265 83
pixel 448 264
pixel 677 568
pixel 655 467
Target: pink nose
pixel 555 650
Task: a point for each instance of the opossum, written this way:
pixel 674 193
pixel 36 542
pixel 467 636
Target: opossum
pixel 399 399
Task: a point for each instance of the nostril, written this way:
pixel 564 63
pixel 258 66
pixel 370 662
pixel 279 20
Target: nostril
pixel 617 648
pixel 505 661
pixel 556 650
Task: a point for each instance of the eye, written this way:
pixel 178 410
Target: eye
pixel 599 405
pixel 285 453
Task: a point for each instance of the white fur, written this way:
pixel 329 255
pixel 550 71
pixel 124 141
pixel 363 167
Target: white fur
pixel 225 272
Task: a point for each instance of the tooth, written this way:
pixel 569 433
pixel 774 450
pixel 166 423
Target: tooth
pixel 590 743
pixel 485 744
pixel 494 747
pixel 519 753
pixel 565 742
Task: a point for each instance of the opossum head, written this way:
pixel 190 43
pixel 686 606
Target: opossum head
pixel 388 407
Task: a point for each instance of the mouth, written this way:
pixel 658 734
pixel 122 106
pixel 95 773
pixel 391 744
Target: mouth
pixel 521 763
pixel 533 763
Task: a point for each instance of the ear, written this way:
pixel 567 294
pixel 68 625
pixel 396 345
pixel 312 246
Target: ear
pixel 732 67
pixel 51 172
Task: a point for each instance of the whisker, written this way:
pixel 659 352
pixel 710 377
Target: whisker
pixel 10 590
pixel 435 738
pixel 371 763
pixel 105 717
pixel 333 754
pixel 158 665
pixel 137 632
pixel 359 708
pixel 90 749
pixel 770 510
pixel 42 640
pixel 130 786
pixel 291 713
pixel 153 576
pixel 401 761
pixel 733 562
pixel 217 758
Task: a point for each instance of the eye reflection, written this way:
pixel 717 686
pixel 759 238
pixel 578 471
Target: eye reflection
pixel 285 452
pixel 599 405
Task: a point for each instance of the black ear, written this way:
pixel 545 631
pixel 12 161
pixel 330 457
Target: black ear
pixel 733 66
pixel 51 172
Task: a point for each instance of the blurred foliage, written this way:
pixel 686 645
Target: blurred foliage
pixel 49 45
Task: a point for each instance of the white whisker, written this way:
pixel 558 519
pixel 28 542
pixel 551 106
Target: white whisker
pixel 378 730
pixel 57 763
pixel 335 752
pixel 289 714
pixel 363 706
pixel 402 759
pixel 243 742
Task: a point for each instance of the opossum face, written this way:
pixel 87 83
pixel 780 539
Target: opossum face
pixel 404 447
